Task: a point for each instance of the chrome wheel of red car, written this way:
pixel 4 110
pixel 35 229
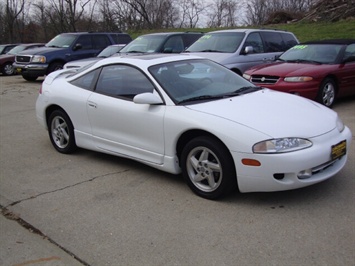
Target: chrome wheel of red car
pixel 327 92
pixel 8 69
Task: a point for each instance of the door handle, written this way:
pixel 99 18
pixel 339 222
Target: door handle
pixel 92 104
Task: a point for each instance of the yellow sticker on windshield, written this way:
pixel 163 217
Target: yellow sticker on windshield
pixel 299 47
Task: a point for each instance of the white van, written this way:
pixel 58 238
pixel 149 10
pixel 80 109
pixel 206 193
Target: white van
pixel 240 49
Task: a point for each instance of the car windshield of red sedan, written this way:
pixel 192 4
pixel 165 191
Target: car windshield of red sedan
pixel 17 49
pixel 194 81
pixel 312 53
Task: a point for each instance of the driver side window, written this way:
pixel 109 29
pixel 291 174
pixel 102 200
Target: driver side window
pixel 255 41
pixel 123 81
pixel 349 52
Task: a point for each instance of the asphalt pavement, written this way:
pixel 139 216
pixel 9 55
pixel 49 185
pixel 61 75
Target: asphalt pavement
pixel 94 209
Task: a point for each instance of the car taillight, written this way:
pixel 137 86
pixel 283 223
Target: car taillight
pixel 40 90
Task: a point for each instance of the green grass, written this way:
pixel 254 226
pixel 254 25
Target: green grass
pixel 304 31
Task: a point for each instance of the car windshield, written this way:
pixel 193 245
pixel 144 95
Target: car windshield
pixel 61 41
pixel 226 42
pixel 110 50
pixel 312 53
pixel 198 80
pixel 2 47
pixel 16 49
pixel 144 44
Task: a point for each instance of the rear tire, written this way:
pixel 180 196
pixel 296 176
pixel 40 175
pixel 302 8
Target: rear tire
pixel 208 168
pixel 61 132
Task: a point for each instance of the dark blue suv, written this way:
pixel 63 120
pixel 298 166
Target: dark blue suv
pixel 63 48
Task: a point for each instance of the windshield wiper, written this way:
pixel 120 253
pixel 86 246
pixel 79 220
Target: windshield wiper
pixel 54 46
pixel 134 51
pixel 211 51
pixel 202 97
pixel 243 90
pixel 304 61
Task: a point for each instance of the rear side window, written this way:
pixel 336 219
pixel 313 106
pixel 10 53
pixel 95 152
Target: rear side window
pixel 174 44
pixel 100 41
pixel 273 42
pixel 87 81
pixel 121 38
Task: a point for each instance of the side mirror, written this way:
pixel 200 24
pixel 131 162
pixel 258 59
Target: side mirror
pixel 248 50
pixel 77 47
pixel 147 98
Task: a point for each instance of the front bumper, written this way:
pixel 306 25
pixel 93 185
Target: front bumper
pixel 31 69
pixel 279 172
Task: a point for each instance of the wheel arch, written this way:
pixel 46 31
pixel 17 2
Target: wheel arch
pixel 50 109
pixel 191 134
pixel 61 61
pixel 333 77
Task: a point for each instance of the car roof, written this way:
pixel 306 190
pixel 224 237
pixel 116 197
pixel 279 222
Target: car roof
pixel 92 32
pixel 332 41
pixel 172 33
pixel 29 44
pixel 248 30
pixel 147 59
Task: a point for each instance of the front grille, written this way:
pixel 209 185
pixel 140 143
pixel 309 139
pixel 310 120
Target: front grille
pixel 264 79
pixel 23 59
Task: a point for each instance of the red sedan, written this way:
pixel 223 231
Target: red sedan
pixel 7 59
pixel 318 70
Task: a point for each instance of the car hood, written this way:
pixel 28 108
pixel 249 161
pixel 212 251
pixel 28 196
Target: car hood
pixel 41 50
pixel 6 57
pixel 283 69
pixel 217 57
pixel 273 113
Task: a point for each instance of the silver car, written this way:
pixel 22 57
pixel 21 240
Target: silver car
pixel 240 49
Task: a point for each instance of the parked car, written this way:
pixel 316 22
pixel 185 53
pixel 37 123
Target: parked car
pixel 318 70
pixel 63 48
pixel 108 51
pixel 240 49
pixel 6 60
pixel 169 112
pixel 5 48
pixel 162 42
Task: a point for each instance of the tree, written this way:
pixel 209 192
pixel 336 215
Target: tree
pixel 224 13
pixel 190 12
pixel 13 11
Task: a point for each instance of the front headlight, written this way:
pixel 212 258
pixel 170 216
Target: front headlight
pixel 246 76
pixel 298 79
pixel 39 59
pixel 281 145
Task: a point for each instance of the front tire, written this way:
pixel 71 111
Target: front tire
pixel 61 132
pixel 208 168
pixel 8 69
pixel 327 92
pixel 29 77
pixel 55 66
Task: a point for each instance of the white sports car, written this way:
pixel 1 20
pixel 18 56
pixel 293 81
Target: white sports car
pixel 183 113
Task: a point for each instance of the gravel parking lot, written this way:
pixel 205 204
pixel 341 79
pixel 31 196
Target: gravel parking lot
pixel 105 210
